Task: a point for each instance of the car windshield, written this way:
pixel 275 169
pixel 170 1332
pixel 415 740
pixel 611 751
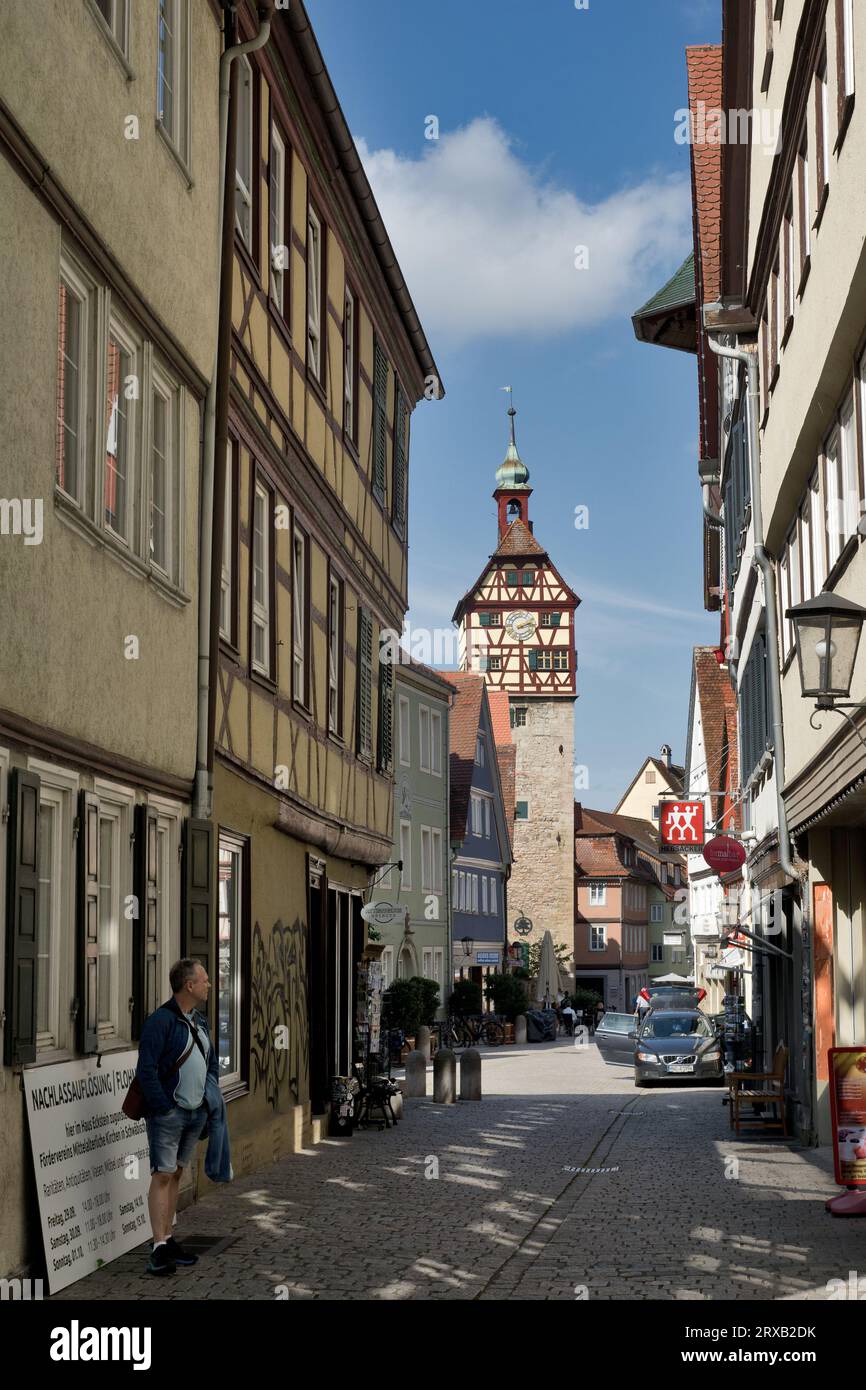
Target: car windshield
pixel 616 1023
pixel 670 1025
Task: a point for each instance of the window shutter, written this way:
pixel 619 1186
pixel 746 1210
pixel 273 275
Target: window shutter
pixel 365 683
pixel 198 907
pixel 399 499
pixel 555 619
pixel 761 675
pixel 484 619
pixel 533 659
pixel 87 1013
pixel 145 929
pixel 386 714
pixel 744 465
pixel 380 398
pixel 22 918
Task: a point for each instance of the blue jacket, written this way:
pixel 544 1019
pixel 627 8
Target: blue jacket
pixel 218 1159
pixel 164 1039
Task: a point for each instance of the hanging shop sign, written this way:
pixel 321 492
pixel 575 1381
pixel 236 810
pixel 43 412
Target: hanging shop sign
pixel 732 958
pixel 681 824
pixel 672 938
pixel 724 854
pixel 384 914
pixel 487 957
pixel 848 1108
pixel 90 1163
pixel 523 926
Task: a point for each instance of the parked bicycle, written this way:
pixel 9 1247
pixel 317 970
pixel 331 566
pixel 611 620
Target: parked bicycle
pixel 471 1031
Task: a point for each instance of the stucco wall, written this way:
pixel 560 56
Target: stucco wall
pixel 542 879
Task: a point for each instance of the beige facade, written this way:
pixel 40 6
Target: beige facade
pixel 108 217
pixel 541 883
pixel 658 778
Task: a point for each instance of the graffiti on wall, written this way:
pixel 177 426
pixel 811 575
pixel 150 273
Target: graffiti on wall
pixel 280 1034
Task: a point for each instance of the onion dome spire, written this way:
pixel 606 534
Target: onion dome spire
pixel 512 472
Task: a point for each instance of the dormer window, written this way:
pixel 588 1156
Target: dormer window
pixel 479 751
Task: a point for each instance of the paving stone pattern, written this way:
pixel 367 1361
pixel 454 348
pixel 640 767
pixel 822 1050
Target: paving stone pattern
pixel 508 1217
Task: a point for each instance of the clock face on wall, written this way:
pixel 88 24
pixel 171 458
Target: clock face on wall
pixel 521 626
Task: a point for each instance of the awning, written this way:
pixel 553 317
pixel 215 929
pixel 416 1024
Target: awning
pixel 669 319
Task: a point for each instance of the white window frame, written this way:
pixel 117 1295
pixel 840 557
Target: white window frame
pixel 244 173
pixel 227 560
pixel 439 968
pixel 350 316
pixel 427 962
pixel 487 818
pixel 435 743
pixel 261 560
pixel 424 737
pixel 335 628
pixel 479 750
pixel 656 912
pixel 128 343
pixel 314 293
pixel 846 39
pixel 849 469
pixel 657 953
pixel 406 855
pixel 168 390
pixel 117 804
pixel 116 26
pixel 597 894
pixel 236 846
pixel 597 934
pixel 299 615
pixel 169 826
pixel 58 787
pixel 387 967
pixel 493 895
pixel 426 859
pixel 474 878
pixel 437 859
pixel 176 130
pixel 477 805
pixel 85 293
pixel 484 893
pixel 404 730
pixel 277 219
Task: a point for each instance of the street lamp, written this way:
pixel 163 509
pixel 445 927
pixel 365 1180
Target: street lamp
pixel 827 635
pixel 467 944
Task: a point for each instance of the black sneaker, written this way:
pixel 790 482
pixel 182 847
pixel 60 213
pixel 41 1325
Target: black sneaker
pixel 178 1254
pixel 162 1261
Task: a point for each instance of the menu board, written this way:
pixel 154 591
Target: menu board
pixel 848 1106
pixel 90 1163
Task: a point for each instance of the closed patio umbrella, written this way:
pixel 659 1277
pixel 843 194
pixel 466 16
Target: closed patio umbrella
pixel 549 983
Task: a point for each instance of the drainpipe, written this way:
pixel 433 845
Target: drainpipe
pixel 762 562
pixel 212 493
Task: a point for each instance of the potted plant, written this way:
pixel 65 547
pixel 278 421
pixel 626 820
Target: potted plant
pixel 508 997
pixel 465 999
pixel 409 1003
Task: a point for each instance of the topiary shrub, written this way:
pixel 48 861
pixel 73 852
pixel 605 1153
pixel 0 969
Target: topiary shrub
pixel 465 999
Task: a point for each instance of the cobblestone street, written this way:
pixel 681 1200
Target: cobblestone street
pixel 508 1217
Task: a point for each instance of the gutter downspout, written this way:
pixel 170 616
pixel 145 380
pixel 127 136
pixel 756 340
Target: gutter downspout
pixel 210 473
pixel 761 560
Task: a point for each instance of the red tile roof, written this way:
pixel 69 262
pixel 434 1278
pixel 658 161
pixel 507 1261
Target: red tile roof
pixel 718 706
pixel 499 715
pixel 704 67
pixel 506 757
pixel 519 540
pixel 463 727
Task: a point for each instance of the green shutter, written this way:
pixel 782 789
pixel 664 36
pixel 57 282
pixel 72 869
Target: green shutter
pixel 484 619
pixel 380 421
pixel 87 1010
pixel 399 495
pixel 365 684
pixel 145 927
pixel 555 619
pixel 199 902
pixel 22 918
pixel 533 659
pixel 386 714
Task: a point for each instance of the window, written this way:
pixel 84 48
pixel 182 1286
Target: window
pixel 230 930
pixel 314 295
pixel 424 737
pixel 244 174
pixel 486 818
pixel 551 619
pixel 822 146
pixel 768 45
pixel 512 579
pixel 777 326
pixel 657 953
pixel 406 854
pixel 849 480
pixel 55 927
pixel 114 968
pixel 403 725
pixel 335 655
pixel 649 776
pixel 387 967
pixel 493 904
pixel 477 808
pixel 439 967
pixel 300 617
pixel 597 894
pixel 484 907
pixel 380 420
pixel 518 716
pixel 116 16
pixel 540 661
pixel 426 859
pixel 474 907
pixel 804 202
pixel 817 533
pixel 788 254
pixel 121 432
pixel 427 962
pixel 172 74
pixel 277 183
pixel 528 578
pixel 74 308
pixel 401 451
pixel 364 746
pixel 385 759
pixel 596 939
pixel 494 663
pixel 479 750
pixel 521 810
pixel 164 483
pixel 436 852
pixel 490 619
pixel 560 661
pixel 227 562
pixel 436 743
pixel 656 912
pixel 350 364
pixel 628 855
pixel 844 60
pixel 261 565
pixel 754 726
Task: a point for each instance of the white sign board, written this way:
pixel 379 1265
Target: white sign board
pixel 383 914
pixel 91 1164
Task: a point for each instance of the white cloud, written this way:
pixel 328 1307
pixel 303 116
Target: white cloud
pixel 487 243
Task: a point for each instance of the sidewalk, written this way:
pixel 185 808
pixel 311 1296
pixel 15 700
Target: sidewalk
pixel 482 1201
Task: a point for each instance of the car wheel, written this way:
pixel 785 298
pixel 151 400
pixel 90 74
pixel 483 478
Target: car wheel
pixel 643 1083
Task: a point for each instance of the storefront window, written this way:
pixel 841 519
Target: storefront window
pixel 228 957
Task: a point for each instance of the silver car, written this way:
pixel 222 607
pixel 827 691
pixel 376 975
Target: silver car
pixel 614 1037
pixel 674 1045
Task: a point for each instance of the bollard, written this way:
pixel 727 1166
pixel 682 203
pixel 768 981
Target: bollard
pixel 470 1074
pixel 397 1101
pixel 520 1029
pixel 444 1077
pixel 422 1040
pixel 415 1085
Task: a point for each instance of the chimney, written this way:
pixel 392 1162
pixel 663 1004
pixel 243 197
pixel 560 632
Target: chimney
pixel 666 754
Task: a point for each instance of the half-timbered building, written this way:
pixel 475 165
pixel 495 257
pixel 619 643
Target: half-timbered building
pixel 516 626
pixel 328 359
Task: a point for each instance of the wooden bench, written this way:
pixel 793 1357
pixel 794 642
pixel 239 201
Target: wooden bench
pixel 742 1089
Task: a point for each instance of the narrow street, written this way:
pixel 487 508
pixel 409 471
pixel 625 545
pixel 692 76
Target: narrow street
pixel 508 1217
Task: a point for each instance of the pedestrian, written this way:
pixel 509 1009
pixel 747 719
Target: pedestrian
pixel 641 1009
pixel 569 1016
pixel 177 1064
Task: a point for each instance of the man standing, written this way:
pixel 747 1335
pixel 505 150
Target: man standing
pixel 175 1061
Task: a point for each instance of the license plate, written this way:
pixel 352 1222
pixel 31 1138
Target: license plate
pixel 681 1066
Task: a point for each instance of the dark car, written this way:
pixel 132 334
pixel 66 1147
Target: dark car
pixel 673 996
pixel 672 1045
pixel 614 1038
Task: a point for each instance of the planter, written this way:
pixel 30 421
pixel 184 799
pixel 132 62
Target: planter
pixel 408 1046
pixel 509 1033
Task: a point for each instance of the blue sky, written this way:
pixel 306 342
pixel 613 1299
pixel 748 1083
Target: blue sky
pixel 554 134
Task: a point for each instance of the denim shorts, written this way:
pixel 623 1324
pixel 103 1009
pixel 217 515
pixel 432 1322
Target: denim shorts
pixel 172 1137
